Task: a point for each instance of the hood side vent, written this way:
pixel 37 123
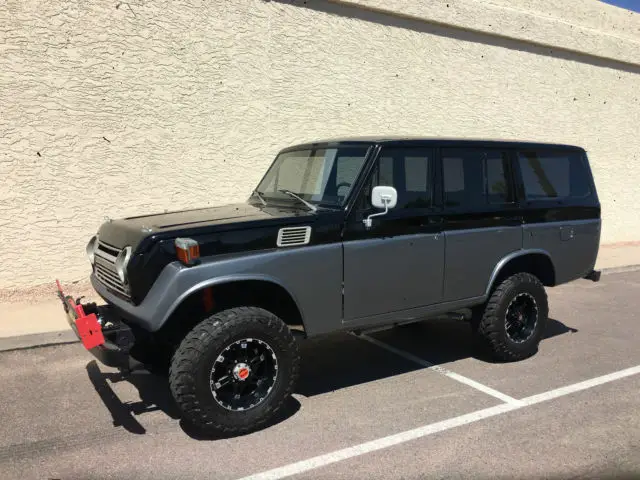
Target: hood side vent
pixel 293 236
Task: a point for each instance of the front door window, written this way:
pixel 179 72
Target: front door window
pixel 409 171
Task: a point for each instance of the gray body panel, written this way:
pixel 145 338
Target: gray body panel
pixel 386 280
pixel 571 245
pixel 389 274
pixel 312 276
pixel 412 314
pixel 472 255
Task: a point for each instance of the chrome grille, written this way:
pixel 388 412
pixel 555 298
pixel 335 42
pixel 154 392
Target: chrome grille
pixel 105 269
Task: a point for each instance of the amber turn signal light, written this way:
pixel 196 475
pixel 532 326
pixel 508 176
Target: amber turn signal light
pixel 187 250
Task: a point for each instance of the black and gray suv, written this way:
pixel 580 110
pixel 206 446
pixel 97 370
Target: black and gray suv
pixel 339 235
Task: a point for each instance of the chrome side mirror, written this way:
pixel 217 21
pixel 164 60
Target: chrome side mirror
pixel 381 197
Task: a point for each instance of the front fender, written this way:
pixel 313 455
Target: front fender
pixel 210 282
pixel 311 275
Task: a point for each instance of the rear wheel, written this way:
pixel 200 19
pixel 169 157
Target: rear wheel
pixel 233 372
pixel 514 319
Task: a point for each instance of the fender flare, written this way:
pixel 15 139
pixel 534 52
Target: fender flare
pixel 224 280
pixel 506 259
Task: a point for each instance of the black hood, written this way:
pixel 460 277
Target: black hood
pixel 132 230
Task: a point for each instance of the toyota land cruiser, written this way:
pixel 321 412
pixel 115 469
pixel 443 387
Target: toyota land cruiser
pixel 339 235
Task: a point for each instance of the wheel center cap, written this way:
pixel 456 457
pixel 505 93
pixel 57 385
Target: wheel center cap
pixel 241 371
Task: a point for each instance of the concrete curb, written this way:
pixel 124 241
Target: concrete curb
pixel 36 340
pixel 627 268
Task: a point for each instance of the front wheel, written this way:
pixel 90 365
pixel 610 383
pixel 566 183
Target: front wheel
pixel 514 319
pixel 233 372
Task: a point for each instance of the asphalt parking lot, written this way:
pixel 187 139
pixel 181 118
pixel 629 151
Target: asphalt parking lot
pixel 418 401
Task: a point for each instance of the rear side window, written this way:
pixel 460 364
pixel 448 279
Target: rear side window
pixel 554 175
pixel 476 177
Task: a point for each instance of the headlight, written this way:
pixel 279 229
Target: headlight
pixel 121 263
pixel 92 246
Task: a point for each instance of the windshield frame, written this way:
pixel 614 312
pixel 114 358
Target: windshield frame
pixel 369 149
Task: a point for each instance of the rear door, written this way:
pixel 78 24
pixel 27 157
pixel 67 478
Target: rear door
pixel 561 208
pixel 482 219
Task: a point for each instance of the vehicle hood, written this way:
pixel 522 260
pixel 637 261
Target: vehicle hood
pixel 132 230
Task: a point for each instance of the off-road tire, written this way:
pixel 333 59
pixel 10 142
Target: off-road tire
pixel 192 362
pixel 491 327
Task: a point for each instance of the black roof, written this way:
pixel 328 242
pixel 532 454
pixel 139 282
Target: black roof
pixel 432 141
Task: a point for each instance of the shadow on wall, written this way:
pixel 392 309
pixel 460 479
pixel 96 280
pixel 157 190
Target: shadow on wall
pixel 450 31
pixel 328 364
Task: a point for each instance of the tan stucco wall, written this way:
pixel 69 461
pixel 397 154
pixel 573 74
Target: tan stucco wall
pixel 118 108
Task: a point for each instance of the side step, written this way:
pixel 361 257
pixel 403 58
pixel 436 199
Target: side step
pixel 459 316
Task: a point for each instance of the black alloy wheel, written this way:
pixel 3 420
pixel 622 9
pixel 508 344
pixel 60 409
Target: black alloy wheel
pixel 521 317
pixel 244 374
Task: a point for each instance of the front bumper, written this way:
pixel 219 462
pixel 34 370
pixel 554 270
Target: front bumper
pixel 101 331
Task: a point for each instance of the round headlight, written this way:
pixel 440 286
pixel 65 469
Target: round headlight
pixel 92 246
pixel 121 263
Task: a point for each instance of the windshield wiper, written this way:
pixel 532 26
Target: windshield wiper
pixel 259 195
pixel 311 206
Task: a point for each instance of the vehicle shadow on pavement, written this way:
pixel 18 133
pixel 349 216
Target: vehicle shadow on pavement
pixel 154 393
pixel 344 360
pixel 290 408
pixel 153 390
pixel 328 364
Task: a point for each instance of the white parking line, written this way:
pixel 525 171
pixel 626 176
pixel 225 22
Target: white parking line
pixel 426 430
pixel 577 387
pixel 443 371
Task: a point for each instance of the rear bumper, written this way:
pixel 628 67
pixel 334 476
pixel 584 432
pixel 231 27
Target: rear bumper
pixel 593 275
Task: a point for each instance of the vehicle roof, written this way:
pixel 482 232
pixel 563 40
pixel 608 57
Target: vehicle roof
pixel 431 141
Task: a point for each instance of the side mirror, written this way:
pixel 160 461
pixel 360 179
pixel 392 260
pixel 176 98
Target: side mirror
pixel 384 197
pixel 381 197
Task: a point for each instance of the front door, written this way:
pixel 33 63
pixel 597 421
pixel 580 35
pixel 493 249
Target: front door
pixel 397 264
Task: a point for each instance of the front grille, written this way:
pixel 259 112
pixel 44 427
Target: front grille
pixel 105 269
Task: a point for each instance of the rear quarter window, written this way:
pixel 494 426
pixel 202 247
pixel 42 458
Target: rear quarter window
pixel 554 175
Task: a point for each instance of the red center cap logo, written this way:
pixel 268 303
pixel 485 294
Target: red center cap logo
pixel 243 373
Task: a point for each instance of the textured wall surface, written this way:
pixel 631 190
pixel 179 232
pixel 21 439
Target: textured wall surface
pixel 119 108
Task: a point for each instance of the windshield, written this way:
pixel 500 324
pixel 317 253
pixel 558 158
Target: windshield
pixel 322 176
